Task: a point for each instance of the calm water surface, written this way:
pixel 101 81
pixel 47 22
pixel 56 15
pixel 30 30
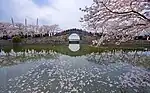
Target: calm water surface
pixel 47 71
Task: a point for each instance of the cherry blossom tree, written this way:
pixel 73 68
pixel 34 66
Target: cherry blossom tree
pixel 117 20
pixel 52 29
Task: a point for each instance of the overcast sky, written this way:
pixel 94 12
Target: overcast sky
pixel 66 13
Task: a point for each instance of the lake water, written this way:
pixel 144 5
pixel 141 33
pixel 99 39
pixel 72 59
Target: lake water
pixel 74 69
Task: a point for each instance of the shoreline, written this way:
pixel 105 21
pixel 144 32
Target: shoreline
pixel 62 40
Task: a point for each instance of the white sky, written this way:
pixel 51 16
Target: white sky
pixel 66 13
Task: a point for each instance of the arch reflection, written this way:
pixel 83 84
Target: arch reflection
pixel 74 47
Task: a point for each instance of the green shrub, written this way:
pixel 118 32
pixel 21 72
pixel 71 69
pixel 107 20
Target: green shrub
pixel 16 39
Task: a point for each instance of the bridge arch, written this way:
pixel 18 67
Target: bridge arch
pixel 74 37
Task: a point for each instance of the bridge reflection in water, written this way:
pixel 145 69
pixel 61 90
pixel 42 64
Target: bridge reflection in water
pixel 74 47
pixel 74 40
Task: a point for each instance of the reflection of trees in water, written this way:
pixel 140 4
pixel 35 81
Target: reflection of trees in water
pixel 13 58
pixel 136 58
pixel 135 72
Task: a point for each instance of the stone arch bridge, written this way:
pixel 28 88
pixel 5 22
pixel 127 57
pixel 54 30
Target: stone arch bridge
pixel 85 37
